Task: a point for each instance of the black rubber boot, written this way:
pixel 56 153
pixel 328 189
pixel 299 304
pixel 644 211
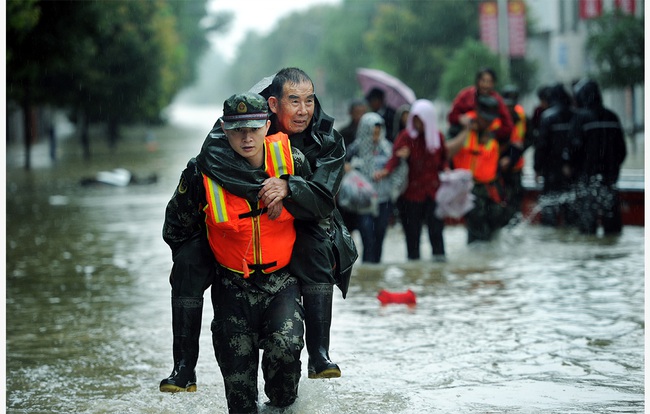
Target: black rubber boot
pixel 317 301
pixel 187 315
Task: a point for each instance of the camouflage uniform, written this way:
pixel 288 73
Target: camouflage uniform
pixel 324 251
pixel 262 312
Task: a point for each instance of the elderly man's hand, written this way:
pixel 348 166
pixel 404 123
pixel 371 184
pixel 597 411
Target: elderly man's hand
pixel 274 212
pixel 273 191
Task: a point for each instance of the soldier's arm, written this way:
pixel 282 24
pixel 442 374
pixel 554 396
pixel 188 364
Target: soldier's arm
pixel 184 214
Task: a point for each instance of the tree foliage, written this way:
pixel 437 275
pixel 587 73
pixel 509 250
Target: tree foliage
pixel 461 69
pixel 616 42
pixel 463 65
pixel 414 39
pixel 116 62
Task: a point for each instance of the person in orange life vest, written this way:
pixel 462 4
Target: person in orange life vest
pixel 324 252
pixel 420 143
pixel 465 103
pixel 256 299
pixel 511 162
pixel 476 149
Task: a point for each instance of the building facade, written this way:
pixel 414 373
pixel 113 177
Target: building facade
pixel 558 46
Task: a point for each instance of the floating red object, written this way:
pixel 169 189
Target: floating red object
pixel 386 297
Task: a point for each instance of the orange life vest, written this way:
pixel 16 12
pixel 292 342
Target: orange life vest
pixel 518 134
pixel 481 159
pixel 241 235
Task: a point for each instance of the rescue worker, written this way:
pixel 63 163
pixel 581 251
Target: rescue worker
pixel 552 160
pixel 256 299
pixel 598 151
pixel 464 105
pixel 476 149
pixel 324 251
pixel 511 161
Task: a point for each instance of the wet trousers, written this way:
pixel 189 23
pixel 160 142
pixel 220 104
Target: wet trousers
pixel 247 320
pixel 373 230
pixel 486 218
pixel 514 192
pixel 596 202
pixel 412 215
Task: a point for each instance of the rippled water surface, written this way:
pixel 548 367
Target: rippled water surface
pixel 538 321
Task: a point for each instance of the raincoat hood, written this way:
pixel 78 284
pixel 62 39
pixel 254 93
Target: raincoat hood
pixel 587 94
pixel 558 96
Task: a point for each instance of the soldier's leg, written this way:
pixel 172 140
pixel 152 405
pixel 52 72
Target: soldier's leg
pixel 236 345
pixel 193 272
pixel 282 343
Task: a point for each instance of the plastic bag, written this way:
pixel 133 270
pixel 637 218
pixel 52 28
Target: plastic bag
pixel 357 194
pixel 454 198
pixel 399 180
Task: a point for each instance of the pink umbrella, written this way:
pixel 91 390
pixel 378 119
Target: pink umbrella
pixel 397 93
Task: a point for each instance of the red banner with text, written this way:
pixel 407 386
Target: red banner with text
pixel 590 9
pixel 626 6
pixel 489 25
pixel 517 28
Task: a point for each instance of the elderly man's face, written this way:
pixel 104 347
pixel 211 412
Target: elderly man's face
pixel 296 108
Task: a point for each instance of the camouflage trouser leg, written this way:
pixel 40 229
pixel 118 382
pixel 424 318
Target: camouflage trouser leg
pixel 246 322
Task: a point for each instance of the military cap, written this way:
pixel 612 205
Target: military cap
pixel 246 110
pixel 487 107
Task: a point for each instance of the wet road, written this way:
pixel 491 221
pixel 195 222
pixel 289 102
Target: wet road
pixel 538 321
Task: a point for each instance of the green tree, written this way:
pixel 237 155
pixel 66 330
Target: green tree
pixel 414 39
pixel 616 43
pixel 111 62
pixel 43 40
pixel 296 41
pixel 463 65
pixel 470 58
pixel 344 49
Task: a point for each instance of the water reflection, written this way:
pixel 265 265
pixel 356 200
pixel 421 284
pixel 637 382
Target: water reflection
pixel 539 321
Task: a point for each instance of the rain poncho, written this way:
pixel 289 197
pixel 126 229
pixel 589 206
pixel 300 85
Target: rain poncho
pixel 367 157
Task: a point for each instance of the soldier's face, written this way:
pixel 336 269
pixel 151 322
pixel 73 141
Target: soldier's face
pixel 248 142
pixel 296 108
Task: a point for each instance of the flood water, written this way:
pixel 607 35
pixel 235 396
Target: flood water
pixel 538 321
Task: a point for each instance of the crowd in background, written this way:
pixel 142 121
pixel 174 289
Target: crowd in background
pixel 578 148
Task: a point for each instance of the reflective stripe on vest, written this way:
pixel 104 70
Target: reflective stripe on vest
pixel 216 200
pixel 519 134
pixel 481 159
pixel 240 234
